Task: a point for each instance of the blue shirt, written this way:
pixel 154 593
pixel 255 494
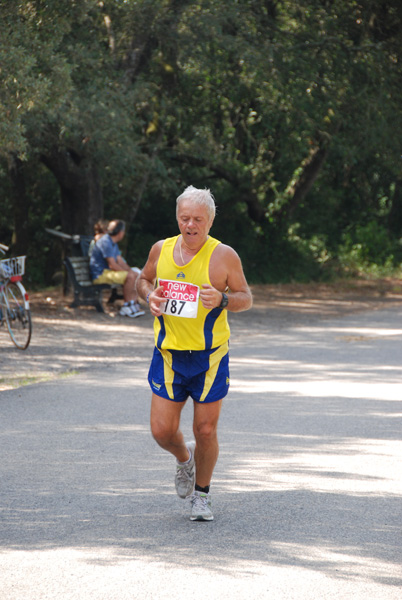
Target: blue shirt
pixel 104 248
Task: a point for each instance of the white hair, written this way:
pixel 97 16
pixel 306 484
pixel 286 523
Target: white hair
pixel 201 197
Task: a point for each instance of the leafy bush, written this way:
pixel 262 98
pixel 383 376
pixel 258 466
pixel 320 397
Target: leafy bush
pixel 369 248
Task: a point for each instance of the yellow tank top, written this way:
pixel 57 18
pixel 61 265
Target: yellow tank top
pixel 185 323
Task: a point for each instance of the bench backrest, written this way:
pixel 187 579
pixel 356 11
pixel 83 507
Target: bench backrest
pixel 79 269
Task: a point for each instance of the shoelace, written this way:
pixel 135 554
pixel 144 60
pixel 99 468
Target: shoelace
pixel 184 473
pixel 199 502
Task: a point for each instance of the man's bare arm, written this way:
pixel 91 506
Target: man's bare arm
pixel 239 294
pixel 226 275
pixel 118 264
pixel 146 280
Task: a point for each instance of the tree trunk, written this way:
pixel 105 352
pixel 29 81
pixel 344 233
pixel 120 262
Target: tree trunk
pixel 80 188
pixel 395 214
pixel 297 191
pixel 20 241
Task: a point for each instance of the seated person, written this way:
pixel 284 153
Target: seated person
pixel 107 266
pixel 100 228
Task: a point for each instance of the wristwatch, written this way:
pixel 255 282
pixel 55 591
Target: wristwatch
pixel 224 301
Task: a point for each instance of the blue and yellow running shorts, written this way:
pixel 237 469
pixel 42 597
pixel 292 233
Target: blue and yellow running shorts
pixel 201 374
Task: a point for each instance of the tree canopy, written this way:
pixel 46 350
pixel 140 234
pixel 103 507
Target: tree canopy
pixel 289 111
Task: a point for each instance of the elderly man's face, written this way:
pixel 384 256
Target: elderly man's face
pixel 194 223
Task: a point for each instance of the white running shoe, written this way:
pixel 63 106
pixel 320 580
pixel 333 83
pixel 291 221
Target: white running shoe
pixel 126 311
pixel 138 312
pixel 201 507
pixel 131 310
pixel 185 474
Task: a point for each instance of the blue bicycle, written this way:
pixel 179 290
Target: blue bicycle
pixel 14 301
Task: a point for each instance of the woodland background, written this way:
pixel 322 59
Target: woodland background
pixel 289 111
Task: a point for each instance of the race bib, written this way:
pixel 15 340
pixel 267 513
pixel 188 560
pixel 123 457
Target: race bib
pixel 181 298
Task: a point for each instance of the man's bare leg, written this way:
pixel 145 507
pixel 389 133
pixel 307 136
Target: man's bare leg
pixel 206 418
pixel 129 287
pixel 165 426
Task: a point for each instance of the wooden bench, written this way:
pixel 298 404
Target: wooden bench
pixel 85 292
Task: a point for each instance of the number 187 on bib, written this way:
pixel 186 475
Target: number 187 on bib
pixel 181 298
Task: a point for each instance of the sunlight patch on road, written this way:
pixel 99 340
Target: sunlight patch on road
pixel 109 428
pixel 127 326
pixel 284 570
pixel 327 388
pixel 354 467
pixel 348 559
pixel 365 332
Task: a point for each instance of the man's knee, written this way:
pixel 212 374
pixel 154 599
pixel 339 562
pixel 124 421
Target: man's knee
pixel 131 279
pixel 205 431
pixel 131 276
pixel 161 431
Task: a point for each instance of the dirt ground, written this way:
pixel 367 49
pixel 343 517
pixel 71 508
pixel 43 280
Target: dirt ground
pixel 68 340
pixel 318 299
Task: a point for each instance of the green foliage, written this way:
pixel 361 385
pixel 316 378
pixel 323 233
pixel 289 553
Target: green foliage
pixel 289 111
pixel 369 248
pixel 34 76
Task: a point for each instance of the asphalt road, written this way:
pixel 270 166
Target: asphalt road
pixel 306 493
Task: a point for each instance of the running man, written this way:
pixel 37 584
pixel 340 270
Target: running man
pixel 190 281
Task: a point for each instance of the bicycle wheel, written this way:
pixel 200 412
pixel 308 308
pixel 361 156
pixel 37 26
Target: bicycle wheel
pixel 18 314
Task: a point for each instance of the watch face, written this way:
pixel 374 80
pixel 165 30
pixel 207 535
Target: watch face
pixel 225 301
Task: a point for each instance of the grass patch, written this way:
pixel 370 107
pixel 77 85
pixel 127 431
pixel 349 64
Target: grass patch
pixel 16 381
